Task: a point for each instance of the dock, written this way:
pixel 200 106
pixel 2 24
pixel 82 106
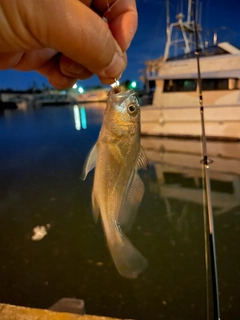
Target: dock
pixel 11 312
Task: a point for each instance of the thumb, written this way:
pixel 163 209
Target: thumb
pixel 70 27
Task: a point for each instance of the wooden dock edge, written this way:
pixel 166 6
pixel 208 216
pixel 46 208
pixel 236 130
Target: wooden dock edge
pixel 11 312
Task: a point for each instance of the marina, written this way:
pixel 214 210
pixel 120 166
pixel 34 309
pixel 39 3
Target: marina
pixel 56 261
pixel 50 97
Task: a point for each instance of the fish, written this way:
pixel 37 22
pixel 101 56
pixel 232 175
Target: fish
pixel 117 187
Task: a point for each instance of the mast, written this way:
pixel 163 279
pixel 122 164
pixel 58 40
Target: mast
pixel 184 27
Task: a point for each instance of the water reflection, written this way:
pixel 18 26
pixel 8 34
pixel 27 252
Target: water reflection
pixel 176 177
pixel 41 158
pixel 176 164
pixel 77 118
pixel 80 117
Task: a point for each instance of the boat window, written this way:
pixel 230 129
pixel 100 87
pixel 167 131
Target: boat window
pixel 233 84
pixel 152 85
pixel 183 85
pixel 180 85
pixel 214 84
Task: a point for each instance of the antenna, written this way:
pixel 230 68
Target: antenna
pixel 181 6
pixel 189 11
pixel 200 14
pixel 167 19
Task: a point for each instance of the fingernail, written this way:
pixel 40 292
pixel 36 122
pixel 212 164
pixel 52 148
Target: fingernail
pixel 119 77
pixel 115 68
pixel 128 45
pixel 62 82
pixel 75 68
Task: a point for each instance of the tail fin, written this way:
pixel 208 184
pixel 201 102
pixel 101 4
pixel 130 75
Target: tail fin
pixel 128 260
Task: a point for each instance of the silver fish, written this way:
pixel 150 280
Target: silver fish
pixel 118 189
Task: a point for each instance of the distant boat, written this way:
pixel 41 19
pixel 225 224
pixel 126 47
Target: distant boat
pixel 98 95
pixel 21 102
pixel 173 83
pixel 52 99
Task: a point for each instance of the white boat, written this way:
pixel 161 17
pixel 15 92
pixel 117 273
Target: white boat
pixel 12 101
pixel 175 110
pixel 52 99
pixel 98 95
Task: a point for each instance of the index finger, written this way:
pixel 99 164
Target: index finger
pixel 122 19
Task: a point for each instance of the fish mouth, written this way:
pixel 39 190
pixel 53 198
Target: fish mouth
pixel 118 96
pixel 116 89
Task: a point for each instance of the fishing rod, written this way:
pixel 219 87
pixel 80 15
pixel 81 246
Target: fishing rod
pixel 209 236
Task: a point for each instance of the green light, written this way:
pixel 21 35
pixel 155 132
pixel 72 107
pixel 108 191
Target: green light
pixel 133 84
pixel 80 90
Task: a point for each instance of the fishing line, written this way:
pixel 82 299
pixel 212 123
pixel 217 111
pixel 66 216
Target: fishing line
pixel 109 7
pixel 210 255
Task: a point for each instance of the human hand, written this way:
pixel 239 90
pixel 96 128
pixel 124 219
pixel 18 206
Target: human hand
pixel 34 32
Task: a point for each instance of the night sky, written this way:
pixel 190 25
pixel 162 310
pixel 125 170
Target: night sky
pixel 150 38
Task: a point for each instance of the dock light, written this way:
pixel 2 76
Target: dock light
pixel 75 86
pixel 133 84
pixel 80 90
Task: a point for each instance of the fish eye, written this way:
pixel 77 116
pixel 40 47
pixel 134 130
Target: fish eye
pixel 132 109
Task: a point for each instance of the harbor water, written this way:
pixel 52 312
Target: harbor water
pixel 41 158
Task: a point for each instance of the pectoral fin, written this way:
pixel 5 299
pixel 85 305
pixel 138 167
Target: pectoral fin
pixel 131 203
pixel 142 161
pixel 90 162
pixel 133 195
